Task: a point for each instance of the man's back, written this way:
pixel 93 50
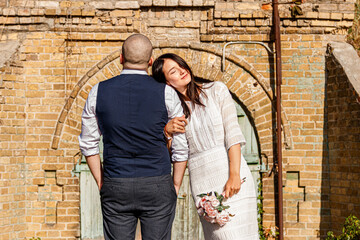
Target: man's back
pixel 131 111
pixel 131 114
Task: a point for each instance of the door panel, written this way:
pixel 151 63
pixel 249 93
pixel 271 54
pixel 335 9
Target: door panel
pixel 186 224
pixel 250 150
pixel 91 217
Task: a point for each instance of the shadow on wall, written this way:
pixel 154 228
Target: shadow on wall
pixel 340 192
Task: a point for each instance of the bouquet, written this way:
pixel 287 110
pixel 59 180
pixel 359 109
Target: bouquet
pixel 210 206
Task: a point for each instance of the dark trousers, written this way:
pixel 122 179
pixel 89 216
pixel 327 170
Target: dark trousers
pixel 150 199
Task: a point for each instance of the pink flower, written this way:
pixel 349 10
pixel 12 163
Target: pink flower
pixel 201 202
pixel 211 212
pixel 214 201
pixel 222 217
pixel 209 219
pixel 211 198
pixel 208 205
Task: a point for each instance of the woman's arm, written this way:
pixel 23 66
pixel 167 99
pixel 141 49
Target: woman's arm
pixel 233 184
pixel 234 138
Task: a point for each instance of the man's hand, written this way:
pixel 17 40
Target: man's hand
pixel 177 188
pixel 176 125
pixel 94 163
pixel 100 184
pixel 178 174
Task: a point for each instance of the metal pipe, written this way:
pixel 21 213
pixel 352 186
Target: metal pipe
pixel 241 42
pixel 278 115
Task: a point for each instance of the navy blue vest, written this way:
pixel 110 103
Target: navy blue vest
pixel 132 114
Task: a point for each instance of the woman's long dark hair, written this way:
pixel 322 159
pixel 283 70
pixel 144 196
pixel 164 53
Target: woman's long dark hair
pixel 194 89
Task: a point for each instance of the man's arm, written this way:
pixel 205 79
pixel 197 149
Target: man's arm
pixel 178 174
pixel 90 137
pixel 94 163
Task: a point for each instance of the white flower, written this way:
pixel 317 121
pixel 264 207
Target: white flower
pixel 222 217
pixel 215 202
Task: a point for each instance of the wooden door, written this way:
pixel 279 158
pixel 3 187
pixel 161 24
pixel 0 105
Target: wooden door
pixel 186 225
pixel 250 151
pixel 90 209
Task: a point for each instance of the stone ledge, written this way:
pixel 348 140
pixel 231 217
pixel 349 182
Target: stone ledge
pixel 127 5
pixel 128 9
pixel 348 58
pixel 102 5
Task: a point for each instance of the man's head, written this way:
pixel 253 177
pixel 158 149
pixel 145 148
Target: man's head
pixel 136 52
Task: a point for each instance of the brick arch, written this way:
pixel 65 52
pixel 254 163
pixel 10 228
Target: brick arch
pixel 249 86
pixel 81 91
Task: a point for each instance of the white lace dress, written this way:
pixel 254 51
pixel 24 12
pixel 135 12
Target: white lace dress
pixel 211 131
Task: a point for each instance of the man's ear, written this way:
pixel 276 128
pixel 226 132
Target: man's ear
pixel 151 61
pixel 121 58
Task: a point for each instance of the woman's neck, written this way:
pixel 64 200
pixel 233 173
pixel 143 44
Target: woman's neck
pixel 183 91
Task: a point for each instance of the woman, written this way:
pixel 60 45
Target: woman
pixel 215 139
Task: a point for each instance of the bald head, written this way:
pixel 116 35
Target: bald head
pixel 136 51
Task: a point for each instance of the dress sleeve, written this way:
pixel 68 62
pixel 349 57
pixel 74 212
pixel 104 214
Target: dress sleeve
pixel 233 133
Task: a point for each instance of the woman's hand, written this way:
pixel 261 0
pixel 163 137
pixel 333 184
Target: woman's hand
pixel 176 125
pixel 232 186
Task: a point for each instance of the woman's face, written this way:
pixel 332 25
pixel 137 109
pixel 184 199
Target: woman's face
pixel 176 76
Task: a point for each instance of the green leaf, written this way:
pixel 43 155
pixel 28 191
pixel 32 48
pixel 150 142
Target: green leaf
pixel 292 11
pixel 298 10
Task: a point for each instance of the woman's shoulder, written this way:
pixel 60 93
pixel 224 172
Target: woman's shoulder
pixel 216 86
pixel 216 90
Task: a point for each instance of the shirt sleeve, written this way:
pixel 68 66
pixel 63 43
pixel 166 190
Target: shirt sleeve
pixel 179 146
pixel 233 133
pixel 90 132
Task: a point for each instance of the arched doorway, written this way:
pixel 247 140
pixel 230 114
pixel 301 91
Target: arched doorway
pixel 247 85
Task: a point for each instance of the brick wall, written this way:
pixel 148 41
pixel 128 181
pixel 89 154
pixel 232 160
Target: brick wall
pixel 66 47
pixel 342 111
pixel 13 166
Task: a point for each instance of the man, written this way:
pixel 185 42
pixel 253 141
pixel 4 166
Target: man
pixel 130 111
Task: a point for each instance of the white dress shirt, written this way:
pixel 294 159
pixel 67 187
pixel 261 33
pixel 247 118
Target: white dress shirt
pixel 90 132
